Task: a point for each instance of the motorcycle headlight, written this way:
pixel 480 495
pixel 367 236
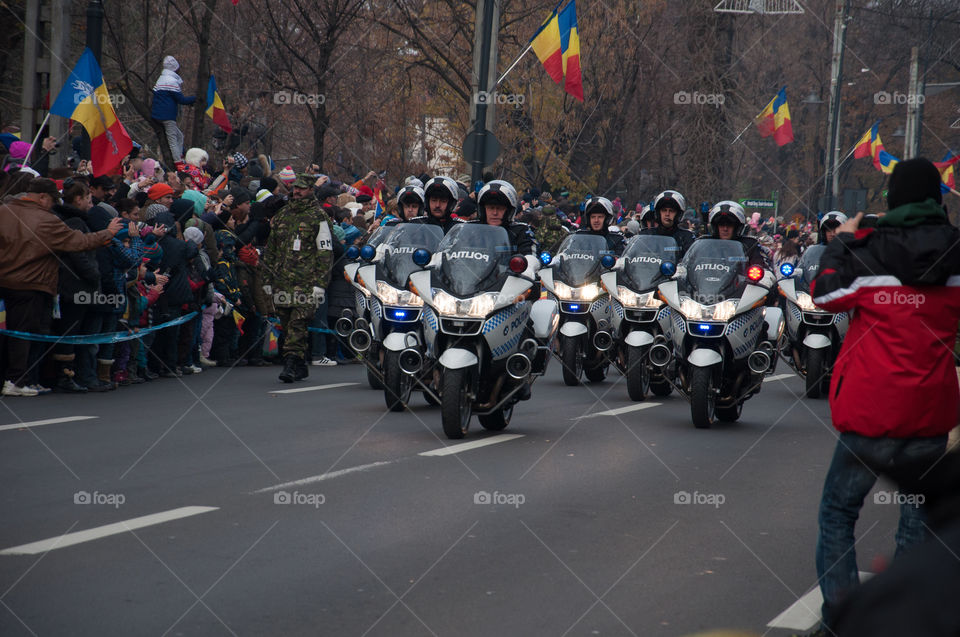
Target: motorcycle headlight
pixel 390 295
pixel 474 307
pixel 587 292
pixel 629 298
pixel 805 302
pixel 694 311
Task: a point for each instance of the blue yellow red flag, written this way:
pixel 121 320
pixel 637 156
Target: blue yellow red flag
pixel 84 98
pixel 774 119
pixel 215 109
pixel 570 50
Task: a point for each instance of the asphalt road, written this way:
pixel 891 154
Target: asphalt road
pixel 325 518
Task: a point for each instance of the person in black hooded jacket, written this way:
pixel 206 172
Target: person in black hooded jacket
pixel 79 280
pixel 177 294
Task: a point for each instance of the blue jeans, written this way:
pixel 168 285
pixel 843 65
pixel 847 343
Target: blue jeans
pixel 848 482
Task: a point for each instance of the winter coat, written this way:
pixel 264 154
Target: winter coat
pixel 79 272
pixel 166 92
pixel 895 375
pixel 114 261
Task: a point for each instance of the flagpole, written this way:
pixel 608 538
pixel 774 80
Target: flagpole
pixel 34 142
pixel 507 72
pixel 741 134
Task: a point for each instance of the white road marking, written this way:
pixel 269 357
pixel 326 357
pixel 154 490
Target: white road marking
pixel 467 446
pixel 621 410
pixel 313 388
pixel 39 423
pixel 804 613
pixel 779 377
pixel 62 541
pixel 324 476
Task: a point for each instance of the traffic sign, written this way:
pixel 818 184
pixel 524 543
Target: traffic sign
pixel 758 203
pixel 487 152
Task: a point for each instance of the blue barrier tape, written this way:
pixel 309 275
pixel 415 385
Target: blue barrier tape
pixel 320 330
pixel 97 339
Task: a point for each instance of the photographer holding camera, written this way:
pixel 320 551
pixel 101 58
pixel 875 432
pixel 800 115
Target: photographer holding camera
pixel 893 392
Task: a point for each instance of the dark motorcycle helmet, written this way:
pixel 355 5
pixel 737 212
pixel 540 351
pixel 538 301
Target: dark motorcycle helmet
pixel 500 192
pixel 411 194
pixel 670 198
pixel 442 188
pixel 729 211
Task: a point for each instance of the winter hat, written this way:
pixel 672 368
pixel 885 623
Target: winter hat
pixel 268 183
pixel 123 233
pixel 198 198
pixel 345 198
pixel 159 190
pixel 110 209
pixel 166 219
pixel 365 194
pixel 263 194
pixel 170 63
pixel 633 227
pixel 196 156
pixel 150 212
pixel 149 167
pixel 193 235
pixel 152 254
pixel 913 181
pixel 287 175
pixel 18 150
pixel 253 187
pixel 353 207
pixel 241 160
pixel 182 210
pixel 240 196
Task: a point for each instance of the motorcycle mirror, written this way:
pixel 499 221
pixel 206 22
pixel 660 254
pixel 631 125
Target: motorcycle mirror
pixel 545 258
pixel 668 268
pixel 421 257
pixel 353 252
pixel 786 269
pixel 367 253
pixel 518 264
pixel 608 261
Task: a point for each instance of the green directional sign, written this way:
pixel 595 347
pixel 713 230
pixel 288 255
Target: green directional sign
pixel 758 203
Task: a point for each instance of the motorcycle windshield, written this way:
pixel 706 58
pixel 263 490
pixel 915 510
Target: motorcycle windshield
pixel 578 260
pixel 381 235
pixel 474 258
pixel 810 262
pixel 642 259
pixel 398 249
pixel 714 270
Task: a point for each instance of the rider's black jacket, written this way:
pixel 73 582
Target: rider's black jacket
pixel 445 224
pixel 615 240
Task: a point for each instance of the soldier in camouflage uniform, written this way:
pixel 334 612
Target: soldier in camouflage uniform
pixel 297 264
pixel 550 231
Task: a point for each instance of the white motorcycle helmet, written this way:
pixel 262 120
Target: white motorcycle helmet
pixel 443 187
pixel 729 210
pixel 411 194
pixel 500 192
pixel 647 215
pixel 830 221
pixel 598 204
pixel 672 197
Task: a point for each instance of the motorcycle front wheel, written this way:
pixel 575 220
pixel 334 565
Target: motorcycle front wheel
pixel 816 368
pixel 702 401
pixel 571 360
pixel 396 384
pixel 498 420
pixel 372 363
pixel 455 405
pixel 638 373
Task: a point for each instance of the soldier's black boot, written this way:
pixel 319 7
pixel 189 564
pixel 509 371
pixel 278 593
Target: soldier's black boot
pixel 301 370
pixel 289 373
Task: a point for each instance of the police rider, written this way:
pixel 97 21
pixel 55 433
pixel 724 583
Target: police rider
pixel 441 195
pixel 828 226
pixel 727 221
pixel 667 208
pixel 599 216
pixel 647 219
pixel 411 201
pixel 497 203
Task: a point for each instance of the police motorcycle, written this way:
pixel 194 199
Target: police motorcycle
pixel 393 332
pixel 572 278
pixel 640 317
pixel 481 325
pixel 722 336
pixel 813 336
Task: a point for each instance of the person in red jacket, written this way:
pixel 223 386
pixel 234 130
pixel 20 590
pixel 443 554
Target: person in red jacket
pixel 893 393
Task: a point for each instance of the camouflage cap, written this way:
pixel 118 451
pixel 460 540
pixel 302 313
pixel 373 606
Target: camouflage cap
pixel 304 181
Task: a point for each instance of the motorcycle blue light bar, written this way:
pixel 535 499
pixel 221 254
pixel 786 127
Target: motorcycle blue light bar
pixel 367 253
pixel 608 261
pixel 668 268
pixel 421 257
pixel 545 258
pixel 353 252
pixel 786 269
pixel 574 307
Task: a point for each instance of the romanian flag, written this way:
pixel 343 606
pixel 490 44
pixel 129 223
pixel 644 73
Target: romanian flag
pixel 947 172
pixel 557 45
pixel 870 145
pixel 886 161
pixel 215 110
pixel 379 210
pixel 84 98
pixel 239 320
pixel 3 315
pixel 775 119
pixel 570 51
